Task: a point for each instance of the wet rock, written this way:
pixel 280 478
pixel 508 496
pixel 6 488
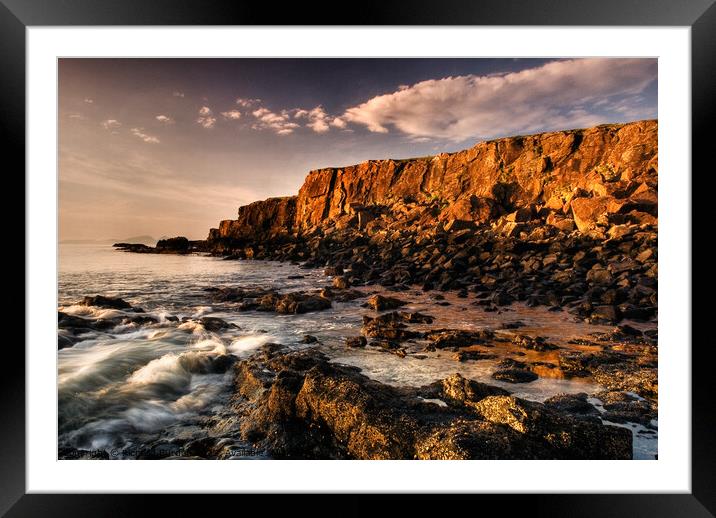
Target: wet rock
pixel 442 338
pixel 381 303
pixel 533 343
pixel 514 375
pixel 388 326
pixel 213 324
pixel 416 318
pixel 340 282
pixel 332 271
pixel 299 405
pixel 629 377
pixel 605 315
pixel 139 320
pixel 101 301
pixel 623 407
pixel 572 404
pixel 291 303
pixel 463 391
pixel 309 339
pixel 356 341
pixel 472 355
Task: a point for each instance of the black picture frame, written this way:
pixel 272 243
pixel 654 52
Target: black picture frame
pixel 700 15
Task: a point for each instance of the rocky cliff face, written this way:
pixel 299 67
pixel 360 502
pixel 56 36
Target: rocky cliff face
pixel 589 178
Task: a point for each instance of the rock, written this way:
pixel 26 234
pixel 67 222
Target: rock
pixel 534 343
pixel 215 324
pixel 101 301
pixel 381 303
pixel 289 303
pixel 333 271
pixel 520 215
pixel 442 338
pixel 472 185
pixel 587 212
pixel 309 339
pixel 388 326
pixel 174 245
pixel 300 405
pixel 514 375
pixel 572 404
pixel 605 314
pixel 560 222
pixel 471 354
pixel 356 341
pixel 340 282
pixel 599 275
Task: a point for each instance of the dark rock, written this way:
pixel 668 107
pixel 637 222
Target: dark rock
pixel 381 303
pixel 356 341
pixel 442 338
pixel 605 315
pixel 101 301
pixel 572 404
pixel 215 324
pixel 173 245
pixel 514 375
pixel 534 343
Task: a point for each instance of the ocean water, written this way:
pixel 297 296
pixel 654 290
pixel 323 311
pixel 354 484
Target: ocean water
pixel 139 385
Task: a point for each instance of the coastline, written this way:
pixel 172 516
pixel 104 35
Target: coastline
pixel 497 230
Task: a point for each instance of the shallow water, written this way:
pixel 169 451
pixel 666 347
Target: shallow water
pixel 137 385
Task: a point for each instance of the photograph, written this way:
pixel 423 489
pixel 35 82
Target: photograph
pixel 414 258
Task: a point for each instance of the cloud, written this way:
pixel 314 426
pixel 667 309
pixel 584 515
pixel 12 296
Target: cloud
pixel 164 119
pixel 206 118
pixel 567 93
pixel 231 114
pixel 77 116
pixel 339 123
pixel 318 120
pixel 139 133
pixel 247 103
pixel 280 123
pixel 178 94
pixel 111 124
pixel 89 101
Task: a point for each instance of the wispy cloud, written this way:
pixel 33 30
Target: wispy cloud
pixel 231 114
pixel 165 119
pixel 559 94
pixel 149 139
pixel 178 94
pixel 111 124
pixel 88 100
pixel 280 122
pixel 77 116
pixel 206 118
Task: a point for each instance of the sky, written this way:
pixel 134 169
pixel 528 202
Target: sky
pixel 167 147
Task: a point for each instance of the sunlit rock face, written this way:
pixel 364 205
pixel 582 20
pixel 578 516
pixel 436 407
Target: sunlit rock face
pixel 591 178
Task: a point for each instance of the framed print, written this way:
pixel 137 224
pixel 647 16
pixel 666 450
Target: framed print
pixel 422 253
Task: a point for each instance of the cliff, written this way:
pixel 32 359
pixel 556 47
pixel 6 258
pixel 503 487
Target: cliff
pixel 588 178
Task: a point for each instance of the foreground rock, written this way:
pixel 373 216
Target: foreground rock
pixel 299 405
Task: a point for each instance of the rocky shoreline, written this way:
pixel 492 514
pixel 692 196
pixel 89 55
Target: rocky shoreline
pixel 564 220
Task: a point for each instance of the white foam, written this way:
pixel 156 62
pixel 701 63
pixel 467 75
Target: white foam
pixel 248 343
